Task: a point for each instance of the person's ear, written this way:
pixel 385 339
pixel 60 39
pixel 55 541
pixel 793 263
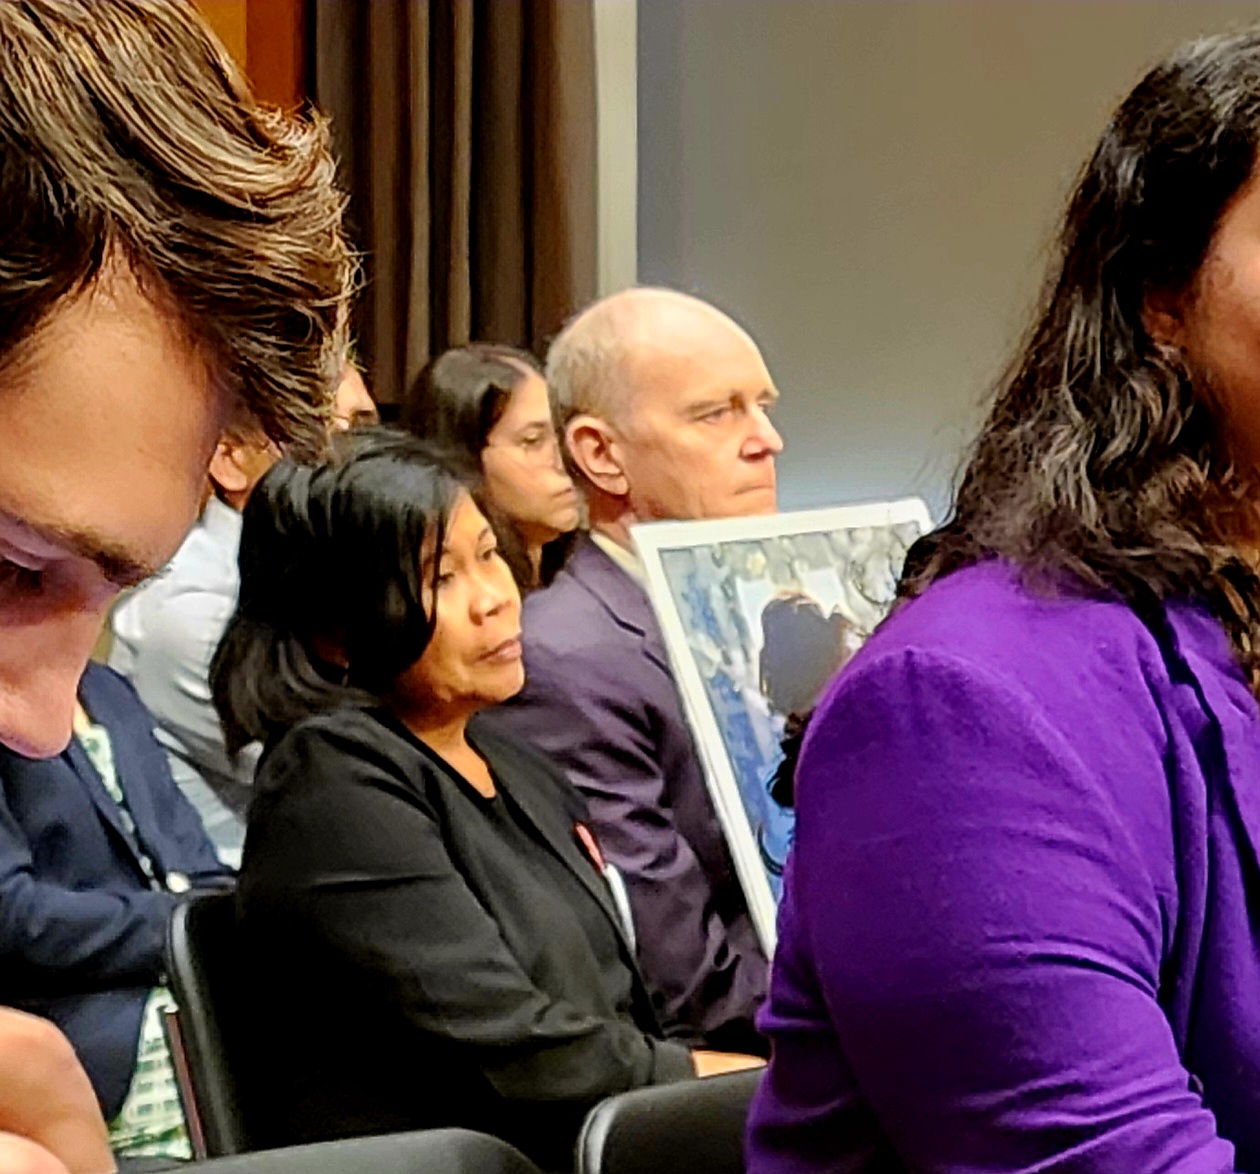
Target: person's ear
pixel 227 467
pixel 1163 318
pixel 594 451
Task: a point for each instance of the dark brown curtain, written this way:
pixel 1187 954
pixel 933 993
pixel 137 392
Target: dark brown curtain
pixel 466 135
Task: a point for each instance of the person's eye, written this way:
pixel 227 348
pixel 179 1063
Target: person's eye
pixel 488 554
pixel 16 577
pixel 445 579
pixel 717 415
pixel 534 440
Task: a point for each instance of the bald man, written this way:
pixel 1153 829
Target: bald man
pixel 665 407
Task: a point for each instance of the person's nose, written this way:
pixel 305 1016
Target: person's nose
pixel 763 437
pixel 557 454
pixel 495 592
pixel 40 669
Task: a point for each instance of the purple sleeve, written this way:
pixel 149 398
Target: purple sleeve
pixel 971 944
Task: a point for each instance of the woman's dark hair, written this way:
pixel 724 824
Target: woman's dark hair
pixel 461 395
pixel 455 403
pixel 801 651
pixel 330 559
pixel 1101 461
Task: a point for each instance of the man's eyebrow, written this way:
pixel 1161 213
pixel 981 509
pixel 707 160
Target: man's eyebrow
pixel 708 402
pixel 122 568
pixel 719 399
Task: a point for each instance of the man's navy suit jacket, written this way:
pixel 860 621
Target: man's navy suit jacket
pixel 82 928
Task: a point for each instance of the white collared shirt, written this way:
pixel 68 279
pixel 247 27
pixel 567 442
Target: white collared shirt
pixel 165 634
pixel 627 560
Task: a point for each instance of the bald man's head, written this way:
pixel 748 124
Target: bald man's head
pixel 595 364
pixel 663 401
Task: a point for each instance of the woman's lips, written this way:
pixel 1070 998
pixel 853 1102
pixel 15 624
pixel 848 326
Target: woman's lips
pixel 504 653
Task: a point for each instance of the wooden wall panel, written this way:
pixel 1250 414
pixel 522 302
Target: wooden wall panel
pixel 228 19
pixel 268 40
pixel 276 42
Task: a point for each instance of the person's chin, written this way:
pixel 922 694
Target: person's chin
pixel 566 521
pixel 34 734
pixel 755 502
pixel 511 682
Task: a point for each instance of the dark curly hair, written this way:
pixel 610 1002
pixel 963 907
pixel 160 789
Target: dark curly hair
pixel 1103 461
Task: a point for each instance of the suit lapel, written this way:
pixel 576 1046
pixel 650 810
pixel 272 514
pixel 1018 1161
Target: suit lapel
pixel 82 766
pixel 550 822
pixel 567 846
pixel 102 713
pixel 625 601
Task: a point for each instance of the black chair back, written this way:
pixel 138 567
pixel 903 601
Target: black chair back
pixel 430 1151
pixel 696 1127
pixel 203 967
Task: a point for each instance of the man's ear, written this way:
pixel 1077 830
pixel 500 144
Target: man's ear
pixel 594 451
pixel 226 468
pixel 1163 318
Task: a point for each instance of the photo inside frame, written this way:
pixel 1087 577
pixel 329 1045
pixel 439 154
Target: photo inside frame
pixel 759 615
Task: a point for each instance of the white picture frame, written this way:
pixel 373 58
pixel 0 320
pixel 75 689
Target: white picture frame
pixel 846 560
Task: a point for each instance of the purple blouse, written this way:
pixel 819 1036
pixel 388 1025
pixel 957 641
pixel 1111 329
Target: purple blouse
pixel 1021 926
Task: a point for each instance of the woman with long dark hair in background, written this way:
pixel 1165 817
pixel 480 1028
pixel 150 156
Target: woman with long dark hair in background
pixel 488 404
pixel 801 650
pixel 1021 928
pixel 431 937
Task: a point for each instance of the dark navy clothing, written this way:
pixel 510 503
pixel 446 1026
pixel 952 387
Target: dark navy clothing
pixel 82 927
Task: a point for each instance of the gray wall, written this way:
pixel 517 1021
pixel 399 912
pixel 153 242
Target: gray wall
pixel 870 186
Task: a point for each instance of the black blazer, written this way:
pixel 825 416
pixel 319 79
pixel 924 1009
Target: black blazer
pixel 81 926
pixel 411 969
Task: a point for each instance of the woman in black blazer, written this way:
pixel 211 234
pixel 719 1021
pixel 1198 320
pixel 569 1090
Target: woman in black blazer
pixel 433 940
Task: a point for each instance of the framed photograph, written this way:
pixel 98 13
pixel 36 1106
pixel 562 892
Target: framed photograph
pixel 758 615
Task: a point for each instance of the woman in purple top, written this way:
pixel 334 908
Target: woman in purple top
pixel 1021 928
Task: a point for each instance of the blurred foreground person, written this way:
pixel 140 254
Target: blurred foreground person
pixel 172 260
pixel 97 846
pixel 1021 927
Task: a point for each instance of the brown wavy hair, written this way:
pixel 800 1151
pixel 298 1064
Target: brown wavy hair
pixel 128 135
pixel 1102 461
